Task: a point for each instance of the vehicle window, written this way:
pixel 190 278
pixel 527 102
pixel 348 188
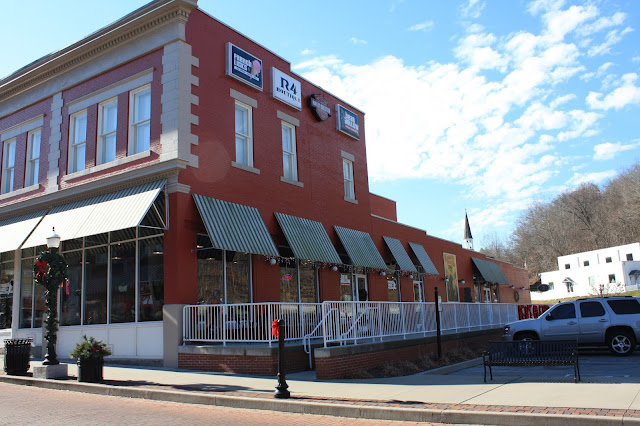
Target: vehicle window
pixel 625 307
pixel 566 311
pixel 591 309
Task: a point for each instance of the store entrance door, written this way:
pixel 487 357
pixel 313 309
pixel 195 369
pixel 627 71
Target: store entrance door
pixel 360 287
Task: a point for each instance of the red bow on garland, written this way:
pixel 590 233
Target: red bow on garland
pixel 275 328
pixel 43 268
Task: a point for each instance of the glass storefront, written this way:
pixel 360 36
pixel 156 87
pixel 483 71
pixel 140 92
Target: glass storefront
pixel 115 277
pixel 214 286
pixel 6 288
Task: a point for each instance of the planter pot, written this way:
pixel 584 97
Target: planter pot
pixel 90 370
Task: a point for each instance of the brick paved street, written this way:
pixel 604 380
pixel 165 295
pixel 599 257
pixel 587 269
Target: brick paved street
pixel 26 405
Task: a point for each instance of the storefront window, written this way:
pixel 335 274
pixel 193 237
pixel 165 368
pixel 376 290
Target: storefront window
pixel 238 273
pixel 6 289
pixel 346 293
pixel 210 278
pixel 96 266
pixel 308 282
pixel 71 292
pixel 123 282
pixel 26 294
pixel 211 274
pixel 31 295
pixel 151 279
pixel 288 283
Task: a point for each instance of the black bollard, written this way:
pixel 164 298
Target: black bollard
pixel 282 387
pixel 438 341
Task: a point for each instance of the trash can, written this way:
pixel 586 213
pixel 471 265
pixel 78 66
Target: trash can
pixel 17 353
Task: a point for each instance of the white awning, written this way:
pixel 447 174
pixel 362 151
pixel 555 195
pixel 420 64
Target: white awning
pixel 108 212
pixel 14 231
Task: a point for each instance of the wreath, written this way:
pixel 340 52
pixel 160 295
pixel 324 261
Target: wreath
pixel 50 271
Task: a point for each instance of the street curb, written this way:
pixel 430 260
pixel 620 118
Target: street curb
pixel 328 409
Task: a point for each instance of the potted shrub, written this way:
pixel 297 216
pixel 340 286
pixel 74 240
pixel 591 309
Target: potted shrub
pixel 90 354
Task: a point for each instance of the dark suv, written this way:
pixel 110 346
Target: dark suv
pixel 610 321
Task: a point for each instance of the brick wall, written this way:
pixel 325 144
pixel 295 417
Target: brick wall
pixel 239 363
pixel 343 361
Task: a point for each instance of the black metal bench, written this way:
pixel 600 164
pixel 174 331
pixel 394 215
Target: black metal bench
pixel 532 353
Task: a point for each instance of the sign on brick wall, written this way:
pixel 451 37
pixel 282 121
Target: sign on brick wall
pixel 348 122
pixel 286 89
pixel 244 66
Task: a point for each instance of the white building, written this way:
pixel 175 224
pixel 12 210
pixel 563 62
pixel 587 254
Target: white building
pixel 598 272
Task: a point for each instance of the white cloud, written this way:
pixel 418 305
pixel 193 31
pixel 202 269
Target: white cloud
pixel 608 150
pixel 627 93
pixel 473 9
pixel 594 177
pixel 602 24
pixel 307 52
pixel 613 37
pixel 355 40
pixel 422 26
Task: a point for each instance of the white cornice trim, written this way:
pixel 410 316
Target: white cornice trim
pixel 126 30
pixel 24 127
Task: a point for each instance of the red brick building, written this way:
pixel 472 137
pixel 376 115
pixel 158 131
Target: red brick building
pixel 184 163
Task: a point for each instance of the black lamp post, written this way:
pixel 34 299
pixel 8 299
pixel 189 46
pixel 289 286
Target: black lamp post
pixel 51 271
pixel 282 386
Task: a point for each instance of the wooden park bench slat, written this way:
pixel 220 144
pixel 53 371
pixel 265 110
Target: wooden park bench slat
pixel 532 353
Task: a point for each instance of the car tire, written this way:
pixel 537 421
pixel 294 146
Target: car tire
pixel 621 342
pixel 526 336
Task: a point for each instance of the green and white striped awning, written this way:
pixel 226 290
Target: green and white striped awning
pixel 423 258
pixel 400 254
pixel 360 248
pixel 104 213
pixel 308 239
pixel 490 271
pixel 235 227
pixel 14 231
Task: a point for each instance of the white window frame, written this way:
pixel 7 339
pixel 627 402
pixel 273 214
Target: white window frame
pixel 290 156
pixel 33 158
pixel 74 143
pixel 248 138
pixel 347 173
pixel 133 125
pixel 8 165
pixel 101 154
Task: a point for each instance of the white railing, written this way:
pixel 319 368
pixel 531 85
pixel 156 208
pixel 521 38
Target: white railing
pixel 337 322
pixel 248 322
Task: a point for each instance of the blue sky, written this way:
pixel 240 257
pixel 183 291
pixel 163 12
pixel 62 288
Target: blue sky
pixel 480 105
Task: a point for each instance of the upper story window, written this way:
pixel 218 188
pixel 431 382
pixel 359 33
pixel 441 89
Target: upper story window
pixel 33 157
pixel 107 126
pixel 289 159
pixel 140 120
pixel 567 266
pixel 8 165
pixel 629 256
pixel 347 171
pixel 78 141
pixel 244 135
pixel 585 263
pixel 608 260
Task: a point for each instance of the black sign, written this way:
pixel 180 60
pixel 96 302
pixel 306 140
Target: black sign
pixel 319 107
pixel 348 122
pixel 244 66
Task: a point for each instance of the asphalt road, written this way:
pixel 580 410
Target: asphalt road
pixel 26 405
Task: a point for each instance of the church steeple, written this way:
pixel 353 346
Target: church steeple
pixel 468 238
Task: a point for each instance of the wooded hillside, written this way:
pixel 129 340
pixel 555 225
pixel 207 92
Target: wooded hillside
pixel 587 218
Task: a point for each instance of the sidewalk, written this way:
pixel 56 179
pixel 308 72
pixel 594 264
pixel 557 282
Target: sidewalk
pixel 608 394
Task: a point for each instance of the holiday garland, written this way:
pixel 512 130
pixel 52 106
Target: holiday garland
pixel 50 271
